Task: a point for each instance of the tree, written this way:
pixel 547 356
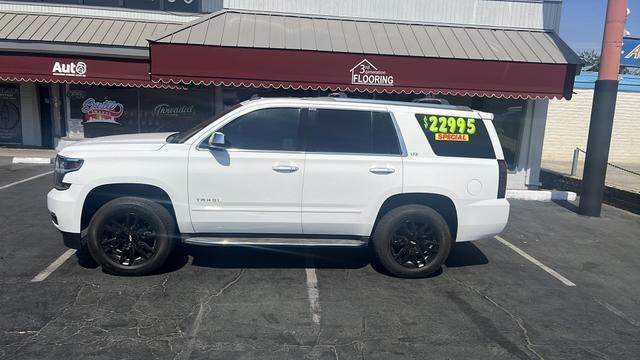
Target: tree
pixel 629 70
pixel 591 59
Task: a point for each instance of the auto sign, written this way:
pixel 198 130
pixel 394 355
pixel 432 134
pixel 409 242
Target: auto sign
pixel 630 52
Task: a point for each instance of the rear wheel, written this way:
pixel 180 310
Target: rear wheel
pixel 412 241
pixel 131 236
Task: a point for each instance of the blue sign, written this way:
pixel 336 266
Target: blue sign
pixel 630 52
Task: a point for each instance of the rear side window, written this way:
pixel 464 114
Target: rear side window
pixel 456 136
pixel 352 131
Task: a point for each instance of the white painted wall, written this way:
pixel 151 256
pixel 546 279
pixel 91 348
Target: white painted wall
pixel 530 14
pixel 568 127
pixel 29 115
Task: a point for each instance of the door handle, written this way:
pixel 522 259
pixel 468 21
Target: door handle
pixel 285 168
pixel 382 170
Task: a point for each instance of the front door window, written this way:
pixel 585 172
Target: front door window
pixel 267 129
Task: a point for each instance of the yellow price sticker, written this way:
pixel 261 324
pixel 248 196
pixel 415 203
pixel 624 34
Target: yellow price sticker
pixel 452 137
pixel 449 125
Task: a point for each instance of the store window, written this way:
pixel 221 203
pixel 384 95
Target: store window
pixel 10 122
pixel 143 4
pixel 181 5
pixel 174 110
pixel 508 119
pixel 166 5
pixel 101 111
pixel 232 96
pixel 60 1
pixel 104 2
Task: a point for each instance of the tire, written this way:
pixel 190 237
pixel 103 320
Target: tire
pixel 403 227
pixel 122 226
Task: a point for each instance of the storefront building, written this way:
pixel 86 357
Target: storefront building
pixel 69 72
pixel 568 124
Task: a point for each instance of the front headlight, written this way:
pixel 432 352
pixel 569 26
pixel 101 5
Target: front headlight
pixel 64 165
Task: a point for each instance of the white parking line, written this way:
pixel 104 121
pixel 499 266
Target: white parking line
pixel 313 293
pixel 54 265
pixel 544 267
pixel 25 180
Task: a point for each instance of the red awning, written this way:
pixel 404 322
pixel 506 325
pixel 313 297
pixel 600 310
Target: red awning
pixel 260 49
pixel 315 70
pixel 76 70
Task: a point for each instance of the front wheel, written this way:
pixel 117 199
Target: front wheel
pixel 412 241
pixel 131 236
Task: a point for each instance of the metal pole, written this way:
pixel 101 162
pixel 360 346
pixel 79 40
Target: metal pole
pixel 602 111
pixel 574 164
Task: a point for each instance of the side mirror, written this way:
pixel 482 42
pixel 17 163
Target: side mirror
pixel 216 141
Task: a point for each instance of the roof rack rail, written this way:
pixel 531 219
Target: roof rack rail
pixel 431 100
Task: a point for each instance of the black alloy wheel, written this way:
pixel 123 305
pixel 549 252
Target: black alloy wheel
pixel 131 236
pixel 414 244
pixel 128 239
pixel 412 241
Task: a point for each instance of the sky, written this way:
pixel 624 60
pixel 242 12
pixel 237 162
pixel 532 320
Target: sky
pixel 582 22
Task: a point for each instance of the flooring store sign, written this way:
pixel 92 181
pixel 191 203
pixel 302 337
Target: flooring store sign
pixel 366 74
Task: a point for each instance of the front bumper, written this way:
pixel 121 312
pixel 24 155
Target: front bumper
pixel 72 240
pixel 65 207
pixel 482 219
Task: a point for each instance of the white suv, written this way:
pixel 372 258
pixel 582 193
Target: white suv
pixel 409 178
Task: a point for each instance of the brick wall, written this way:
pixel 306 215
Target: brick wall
pixel 568 124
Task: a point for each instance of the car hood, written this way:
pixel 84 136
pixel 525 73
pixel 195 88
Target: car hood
pixel 131 142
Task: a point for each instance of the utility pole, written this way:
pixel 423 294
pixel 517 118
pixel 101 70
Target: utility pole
pixel 603 110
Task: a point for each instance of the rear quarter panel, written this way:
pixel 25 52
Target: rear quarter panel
pixel 466 181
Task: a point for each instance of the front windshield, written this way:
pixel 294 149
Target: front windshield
pixel 181 137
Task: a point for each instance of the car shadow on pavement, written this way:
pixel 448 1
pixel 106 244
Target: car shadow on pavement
pixel 277 257
pixel 238 257
pixel 465 254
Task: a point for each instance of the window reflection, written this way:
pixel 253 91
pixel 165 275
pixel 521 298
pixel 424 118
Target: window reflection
pixel 509 116
pixel 100 111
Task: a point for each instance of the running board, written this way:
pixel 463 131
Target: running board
pixel 272 241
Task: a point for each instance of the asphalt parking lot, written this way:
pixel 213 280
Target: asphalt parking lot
pixel 556 286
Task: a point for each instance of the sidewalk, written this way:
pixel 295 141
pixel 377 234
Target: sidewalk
pixel 9 155
pixel 615 177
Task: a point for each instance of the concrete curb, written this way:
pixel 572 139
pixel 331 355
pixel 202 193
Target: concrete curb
pixel 31 160
pixel 541 195
pixel 623 199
